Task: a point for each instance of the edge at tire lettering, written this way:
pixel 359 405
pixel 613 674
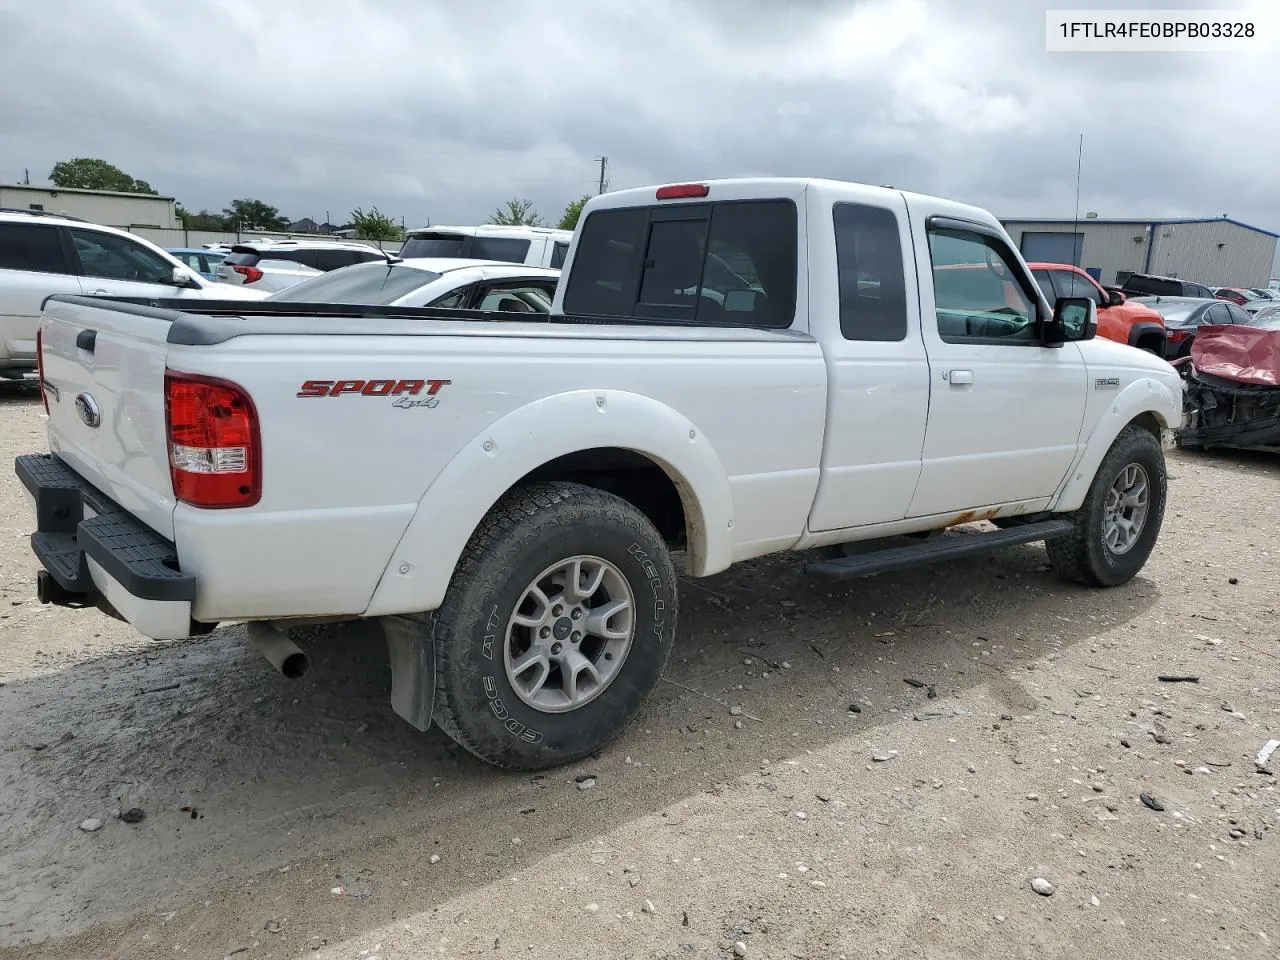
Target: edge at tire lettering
pixel 655 584
pixel 486 646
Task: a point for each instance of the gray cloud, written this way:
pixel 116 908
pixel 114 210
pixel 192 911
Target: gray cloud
pixel 442 111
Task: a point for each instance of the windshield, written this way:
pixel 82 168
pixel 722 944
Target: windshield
pixel 369 283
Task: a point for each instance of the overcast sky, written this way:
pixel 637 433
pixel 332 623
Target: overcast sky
pixel 441 110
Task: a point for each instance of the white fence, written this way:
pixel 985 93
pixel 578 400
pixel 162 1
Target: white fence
pixel 194 238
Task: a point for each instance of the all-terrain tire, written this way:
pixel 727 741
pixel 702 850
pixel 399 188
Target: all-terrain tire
pixel 1083 556
pixel 527 532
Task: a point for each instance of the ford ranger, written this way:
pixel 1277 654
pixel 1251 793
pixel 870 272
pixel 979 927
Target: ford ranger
pixel 730 369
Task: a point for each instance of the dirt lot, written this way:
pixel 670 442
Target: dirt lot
pixel 776 828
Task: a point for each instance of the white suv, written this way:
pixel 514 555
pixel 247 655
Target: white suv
pixel 43 254
pixel 273 265
pixel 534 246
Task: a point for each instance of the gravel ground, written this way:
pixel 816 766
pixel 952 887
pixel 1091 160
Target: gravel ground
pixel 776 828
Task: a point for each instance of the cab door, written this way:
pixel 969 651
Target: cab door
pixel 1005 411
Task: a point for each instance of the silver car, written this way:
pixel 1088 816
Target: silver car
pixel 275 265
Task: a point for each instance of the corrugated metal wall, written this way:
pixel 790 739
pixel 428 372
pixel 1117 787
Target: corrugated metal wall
pixel 1218 253
pixel 1187 250
pixel 1107 246
pixel 111 210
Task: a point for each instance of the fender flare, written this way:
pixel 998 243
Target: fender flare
pixel 1145 327
pixel 1144 396
pixel 459 497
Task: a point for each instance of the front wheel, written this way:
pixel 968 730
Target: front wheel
pixel 558 622
pixel 1117 525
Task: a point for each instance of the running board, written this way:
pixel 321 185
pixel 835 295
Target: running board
pixel 945 547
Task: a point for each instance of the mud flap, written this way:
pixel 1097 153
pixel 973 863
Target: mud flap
pixel 411 646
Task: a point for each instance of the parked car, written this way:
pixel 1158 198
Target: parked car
pixel 1237 295
pixel 1119 319
pixel 1265 293
pixel 1232 388
pixel 427 282
pixel 1268 319
pixel 1150 285
pixel 272 265
pixel 536 246
pixel 1254 307
pixel 46 253
pixel 1183 316
pixel 202 261
pixel 526 483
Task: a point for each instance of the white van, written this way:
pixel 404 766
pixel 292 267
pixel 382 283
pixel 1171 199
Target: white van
pixel 535 246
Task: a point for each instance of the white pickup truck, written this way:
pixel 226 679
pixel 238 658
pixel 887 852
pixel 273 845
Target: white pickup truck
pixel 730 369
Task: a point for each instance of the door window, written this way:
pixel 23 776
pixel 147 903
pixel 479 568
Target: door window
pixel 1044 280
pixel 558 252
pixel 454 301
pixel 518 298
pixel 976 290
pixel 117 258
pixel 1073 285
pixel 873 288
pixel 34 247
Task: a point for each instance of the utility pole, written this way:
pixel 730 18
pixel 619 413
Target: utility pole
pixel 26 176
pixel 604 164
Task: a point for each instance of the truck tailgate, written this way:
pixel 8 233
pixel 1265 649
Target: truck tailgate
pixel 104 371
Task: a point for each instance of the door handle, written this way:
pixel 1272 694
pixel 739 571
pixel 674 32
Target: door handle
pixel 86 340
pixel 96 292
pixel 959 377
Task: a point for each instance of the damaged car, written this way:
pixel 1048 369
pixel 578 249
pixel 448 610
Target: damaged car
pixel 1232 387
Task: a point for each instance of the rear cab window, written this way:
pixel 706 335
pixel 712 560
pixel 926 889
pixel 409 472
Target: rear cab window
pixel 727 263
pixel 1151 286
pixel 873 291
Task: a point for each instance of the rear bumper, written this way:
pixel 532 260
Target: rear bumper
pixel 95 553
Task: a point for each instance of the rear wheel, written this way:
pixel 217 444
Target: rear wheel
pixel 1117 526
pixel 557 624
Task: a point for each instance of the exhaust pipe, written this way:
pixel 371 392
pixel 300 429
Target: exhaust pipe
pixel 281 652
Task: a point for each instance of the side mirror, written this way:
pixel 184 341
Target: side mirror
pixel 181 277
pixel 1074 319
pixel 1114 298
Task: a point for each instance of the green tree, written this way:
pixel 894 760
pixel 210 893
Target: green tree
pixel 254 215
pixel 375 225
pixel 517 213
pixel 572 212
pixel 204 220
pixel 90 173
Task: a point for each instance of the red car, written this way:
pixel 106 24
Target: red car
pixel 1236 295
pixel 1119 319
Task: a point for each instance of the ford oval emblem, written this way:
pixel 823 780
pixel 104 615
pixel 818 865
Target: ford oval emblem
pixel 87 407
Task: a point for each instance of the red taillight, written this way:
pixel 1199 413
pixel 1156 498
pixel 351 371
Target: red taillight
pixel 250 274
pixel 1177 336
pixel 215 451
pixel 683 191
pixel 40 367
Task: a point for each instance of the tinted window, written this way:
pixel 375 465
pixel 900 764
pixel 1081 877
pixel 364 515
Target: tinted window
pixel 455 300
pixel 505 249
pixel 1198 291
pixel 241 259
pixel 873 293
pixel 1215 314
pixel 976 291
pixel 1044 280
pixel 31 247
pixel 558 252
pixel 726 263
pixel 435 245
pixel 305 257
pixel 1153 286
pixel 1073 285
pixel 371 283
pixel 606 266
pixel 1235 314
pixel 116 258
pixel 336 259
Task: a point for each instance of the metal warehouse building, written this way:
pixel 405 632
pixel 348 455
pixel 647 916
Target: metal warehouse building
pixel 1217 252
pixel 97 206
